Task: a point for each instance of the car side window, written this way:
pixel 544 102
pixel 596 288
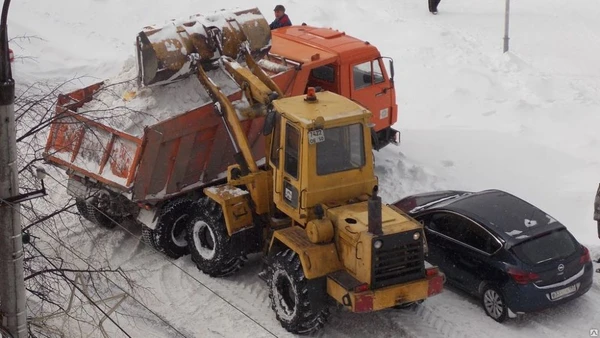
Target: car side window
pixel 464 231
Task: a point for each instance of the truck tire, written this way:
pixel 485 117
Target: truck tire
pixel 82 208
pixel 169 236
pixel 148 237
pixel 94 212
pixel 209 244
pixel 288 291
pixel 100 218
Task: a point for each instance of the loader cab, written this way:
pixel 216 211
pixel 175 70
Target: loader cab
pixel 320 152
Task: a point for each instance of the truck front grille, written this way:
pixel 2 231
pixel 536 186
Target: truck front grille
pixel 399 260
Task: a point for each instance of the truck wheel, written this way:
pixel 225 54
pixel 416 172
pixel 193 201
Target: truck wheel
pixel 210 246
pixel 148 237
pixel 169 235
pixel 494 304
pixel 288 292
pixel 82 208
pixel 96 211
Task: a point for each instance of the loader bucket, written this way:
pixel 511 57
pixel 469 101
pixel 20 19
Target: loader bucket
pixel 164 53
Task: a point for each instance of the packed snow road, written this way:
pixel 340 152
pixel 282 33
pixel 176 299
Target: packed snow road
pixel 471 117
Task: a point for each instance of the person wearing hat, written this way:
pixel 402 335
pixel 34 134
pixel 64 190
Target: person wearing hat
pixel 281 19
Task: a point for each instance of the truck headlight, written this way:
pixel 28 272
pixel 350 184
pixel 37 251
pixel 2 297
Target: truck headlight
pixel 416 235
pixel 378 244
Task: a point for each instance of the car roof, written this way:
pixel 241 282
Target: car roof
pixel 511 218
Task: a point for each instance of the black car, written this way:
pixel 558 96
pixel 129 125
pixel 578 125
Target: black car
pixel 513 256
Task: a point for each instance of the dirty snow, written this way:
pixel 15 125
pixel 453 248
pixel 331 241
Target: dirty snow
pixel 471 118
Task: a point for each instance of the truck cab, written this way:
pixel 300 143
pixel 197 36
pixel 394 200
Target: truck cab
pixel 345 65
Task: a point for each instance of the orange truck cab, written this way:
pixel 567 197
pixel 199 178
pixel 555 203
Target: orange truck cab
pixel 336 62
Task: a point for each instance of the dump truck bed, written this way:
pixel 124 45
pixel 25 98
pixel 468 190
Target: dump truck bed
pixel 152 143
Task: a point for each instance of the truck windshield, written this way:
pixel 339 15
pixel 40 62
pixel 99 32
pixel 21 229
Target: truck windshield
pixel 343 149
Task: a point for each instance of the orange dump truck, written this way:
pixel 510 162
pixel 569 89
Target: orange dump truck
pixel 133 144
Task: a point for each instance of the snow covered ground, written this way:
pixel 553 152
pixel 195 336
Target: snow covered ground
pixel 471 118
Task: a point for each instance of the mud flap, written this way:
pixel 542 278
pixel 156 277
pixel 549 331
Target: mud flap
pixel 317 293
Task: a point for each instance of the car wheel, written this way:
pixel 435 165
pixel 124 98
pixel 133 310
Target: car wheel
pixel 494 304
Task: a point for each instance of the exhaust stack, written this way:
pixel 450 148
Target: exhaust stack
pixel 164 53
pixel 374 213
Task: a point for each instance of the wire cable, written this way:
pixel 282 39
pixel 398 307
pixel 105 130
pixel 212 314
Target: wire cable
pixel 80 290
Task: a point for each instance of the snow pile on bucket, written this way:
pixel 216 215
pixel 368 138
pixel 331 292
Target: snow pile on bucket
pixel 122 105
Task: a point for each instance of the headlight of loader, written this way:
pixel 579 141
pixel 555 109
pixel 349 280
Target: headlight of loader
pixel 378 244
pixel 416 235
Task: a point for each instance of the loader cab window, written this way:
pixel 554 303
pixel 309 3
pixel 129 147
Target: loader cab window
pixel 343 149
pixel 292 142
pixel 367 74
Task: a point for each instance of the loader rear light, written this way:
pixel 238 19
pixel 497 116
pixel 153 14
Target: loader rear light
pixel 430 272
pixel 362 288
pixel 436 284
pixel 363 303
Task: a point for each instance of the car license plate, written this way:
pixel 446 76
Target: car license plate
pixel 564 292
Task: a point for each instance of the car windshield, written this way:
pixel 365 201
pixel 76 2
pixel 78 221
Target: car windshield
pixel 554 245
pixel 342 149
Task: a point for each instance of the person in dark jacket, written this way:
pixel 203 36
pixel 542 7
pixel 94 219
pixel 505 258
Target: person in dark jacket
pixel 281 19
pixel 433 4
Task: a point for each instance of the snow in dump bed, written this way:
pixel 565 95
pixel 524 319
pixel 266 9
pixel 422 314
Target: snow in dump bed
pixel 120 104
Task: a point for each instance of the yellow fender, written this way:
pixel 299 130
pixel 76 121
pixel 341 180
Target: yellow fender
pixel 317 259
pixel 236 209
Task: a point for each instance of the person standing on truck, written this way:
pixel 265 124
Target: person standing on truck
pixel 433 4
pixel 281 19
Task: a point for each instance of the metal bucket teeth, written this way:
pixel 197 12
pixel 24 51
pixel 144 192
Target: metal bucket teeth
pixel 164 52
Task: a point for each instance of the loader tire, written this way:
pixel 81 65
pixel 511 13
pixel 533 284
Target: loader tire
pixel 209 244
pixel 169 236
pixel 288 291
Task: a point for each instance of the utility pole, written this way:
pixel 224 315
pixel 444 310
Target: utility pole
pixel 12 286
pixel 506 19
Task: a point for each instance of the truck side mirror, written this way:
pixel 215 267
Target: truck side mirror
pixel 391 70
pixel 269 123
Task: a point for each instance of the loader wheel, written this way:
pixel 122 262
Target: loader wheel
pixel 209 244
pixel 288 291
pixel 169 236
pixel 409 305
